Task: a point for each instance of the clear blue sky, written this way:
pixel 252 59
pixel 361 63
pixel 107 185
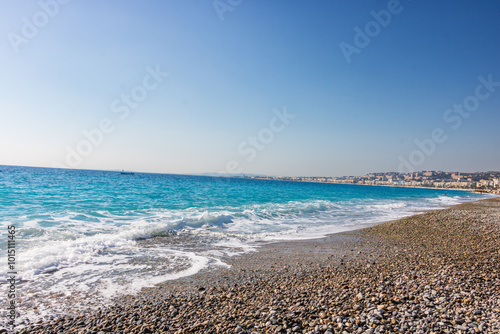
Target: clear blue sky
pixel 232 66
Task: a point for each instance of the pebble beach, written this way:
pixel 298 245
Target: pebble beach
pixel 437 272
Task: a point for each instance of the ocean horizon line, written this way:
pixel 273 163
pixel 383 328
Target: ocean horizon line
pixel 224 174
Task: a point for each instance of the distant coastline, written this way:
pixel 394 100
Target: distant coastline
pixel 482 182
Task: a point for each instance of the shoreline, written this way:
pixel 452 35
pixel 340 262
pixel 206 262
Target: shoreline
pixel 400 275
pixel 337 244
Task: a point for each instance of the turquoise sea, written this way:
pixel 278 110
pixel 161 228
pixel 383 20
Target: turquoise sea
pixel 99 234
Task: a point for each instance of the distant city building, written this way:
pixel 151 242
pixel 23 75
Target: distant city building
pixel 482 181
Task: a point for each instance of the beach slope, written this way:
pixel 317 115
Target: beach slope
pixel 433 272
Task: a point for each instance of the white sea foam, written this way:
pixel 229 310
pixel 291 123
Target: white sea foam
pixel 74 239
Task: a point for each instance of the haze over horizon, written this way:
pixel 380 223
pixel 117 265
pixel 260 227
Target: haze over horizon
pixel 275 88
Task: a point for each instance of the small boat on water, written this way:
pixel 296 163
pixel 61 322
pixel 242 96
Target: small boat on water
pixel 126 173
